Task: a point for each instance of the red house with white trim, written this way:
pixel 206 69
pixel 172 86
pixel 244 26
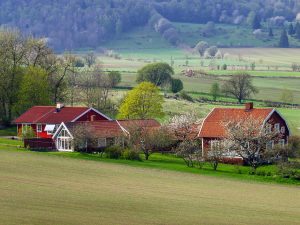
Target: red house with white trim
pixel 44 120
pixel 213 130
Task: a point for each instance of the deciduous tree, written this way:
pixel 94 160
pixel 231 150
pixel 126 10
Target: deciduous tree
pixel 143 102
pixel 239 86
pixel 156 73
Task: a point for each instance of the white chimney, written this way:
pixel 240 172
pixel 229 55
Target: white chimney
pixel 59 106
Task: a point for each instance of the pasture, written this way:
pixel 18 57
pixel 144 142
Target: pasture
pixel 37 188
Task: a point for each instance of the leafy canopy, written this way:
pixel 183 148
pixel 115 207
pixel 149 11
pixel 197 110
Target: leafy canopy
pixel 156 73
pixel 143 102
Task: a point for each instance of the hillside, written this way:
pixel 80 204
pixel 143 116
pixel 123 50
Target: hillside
pixel 91 23
pixel 37 188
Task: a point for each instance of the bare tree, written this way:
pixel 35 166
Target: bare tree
pixel 62 67
pixel 239 86
pixel 148 139
pixel 84 137
pixel 217 153
pixel 251 140
pixel 189 151
pixel 90 59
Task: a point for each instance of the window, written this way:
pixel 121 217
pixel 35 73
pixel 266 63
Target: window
pixel 268 128
pixel 39 128
pixel 281 142
pixel 282 130
pixel 215 144
pixel 102 142
pixel 50 128
pixel 64 141
pixel 270 145
pixel 277 127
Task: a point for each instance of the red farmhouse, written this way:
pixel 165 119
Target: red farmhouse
pixel 213 130
pixel 44 120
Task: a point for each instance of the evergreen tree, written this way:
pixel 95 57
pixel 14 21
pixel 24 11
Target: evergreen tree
pixel 297 30
pixel 256 22
pixel 291 30
pixel 284 40
pixel 271 32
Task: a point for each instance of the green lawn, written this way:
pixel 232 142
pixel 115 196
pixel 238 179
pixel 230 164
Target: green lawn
pixel 171 162
pixel 40 188
pixel 10 131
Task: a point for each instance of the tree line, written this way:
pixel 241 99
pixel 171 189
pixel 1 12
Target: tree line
pixel 31 74
pixel 89 23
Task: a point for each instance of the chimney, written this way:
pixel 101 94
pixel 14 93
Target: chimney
pixel 249 106
pixel 59 106
pixel 93 118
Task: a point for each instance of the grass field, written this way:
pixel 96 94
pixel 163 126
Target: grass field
pixel 36 188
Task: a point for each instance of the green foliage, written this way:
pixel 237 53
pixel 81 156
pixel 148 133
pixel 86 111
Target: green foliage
pixel 291 30
pixel 34 89
pixel 113 152
pixel 28 132
pixel 176 85
pixel 271 34
pixel 284 40
pixel 114 77
pixel 130 154
pixel 185 96
pixel 143 102
pixel 256 22
pixel 156 73
pixel 289 170
pixel 297 31
pixel 215 91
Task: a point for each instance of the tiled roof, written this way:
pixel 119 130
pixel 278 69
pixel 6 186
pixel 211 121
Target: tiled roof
pixel 127 124
pixel 99 128
pixel 112 128
pixel 49 115
pixel 213 125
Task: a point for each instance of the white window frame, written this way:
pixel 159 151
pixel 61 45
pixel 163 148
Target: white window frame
pixel 277 127
pixel 64 142
pixel 39 128
pixel 270 143
pixel 268 128
pixel 214 143
pixel 102 142
pixel 282 129
pixel 281 142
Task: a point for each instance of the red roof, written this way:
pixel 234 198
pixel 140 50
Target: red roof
pixel 113 128
pixel 212 126
pixel 127 124
pixel 49 115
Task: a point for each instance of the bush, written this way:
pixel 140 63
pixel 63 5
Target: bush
pixel 186 96
pixel 113 152
pixel 130 154
pixel 289 170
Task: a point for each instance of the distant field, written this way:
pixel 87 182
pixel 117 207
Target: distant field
pixel 230 36
pixel 42 189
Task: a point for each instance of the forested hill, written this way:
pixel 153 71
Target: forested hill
pixel 88 23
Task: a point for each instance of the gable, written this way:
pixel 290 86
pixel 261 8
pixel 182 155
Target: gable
pixel 88 116
pixel 213 124
pixel 275 117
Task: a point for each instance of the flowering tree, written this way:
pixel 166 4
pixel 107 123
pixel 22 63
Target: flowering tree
pixel 251 140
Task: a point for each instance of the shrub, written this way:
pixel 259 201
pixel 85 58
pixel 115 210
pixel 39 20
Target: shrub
pixel 113 152
pixel 130 154
pixel 186 96
pixel 289 170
